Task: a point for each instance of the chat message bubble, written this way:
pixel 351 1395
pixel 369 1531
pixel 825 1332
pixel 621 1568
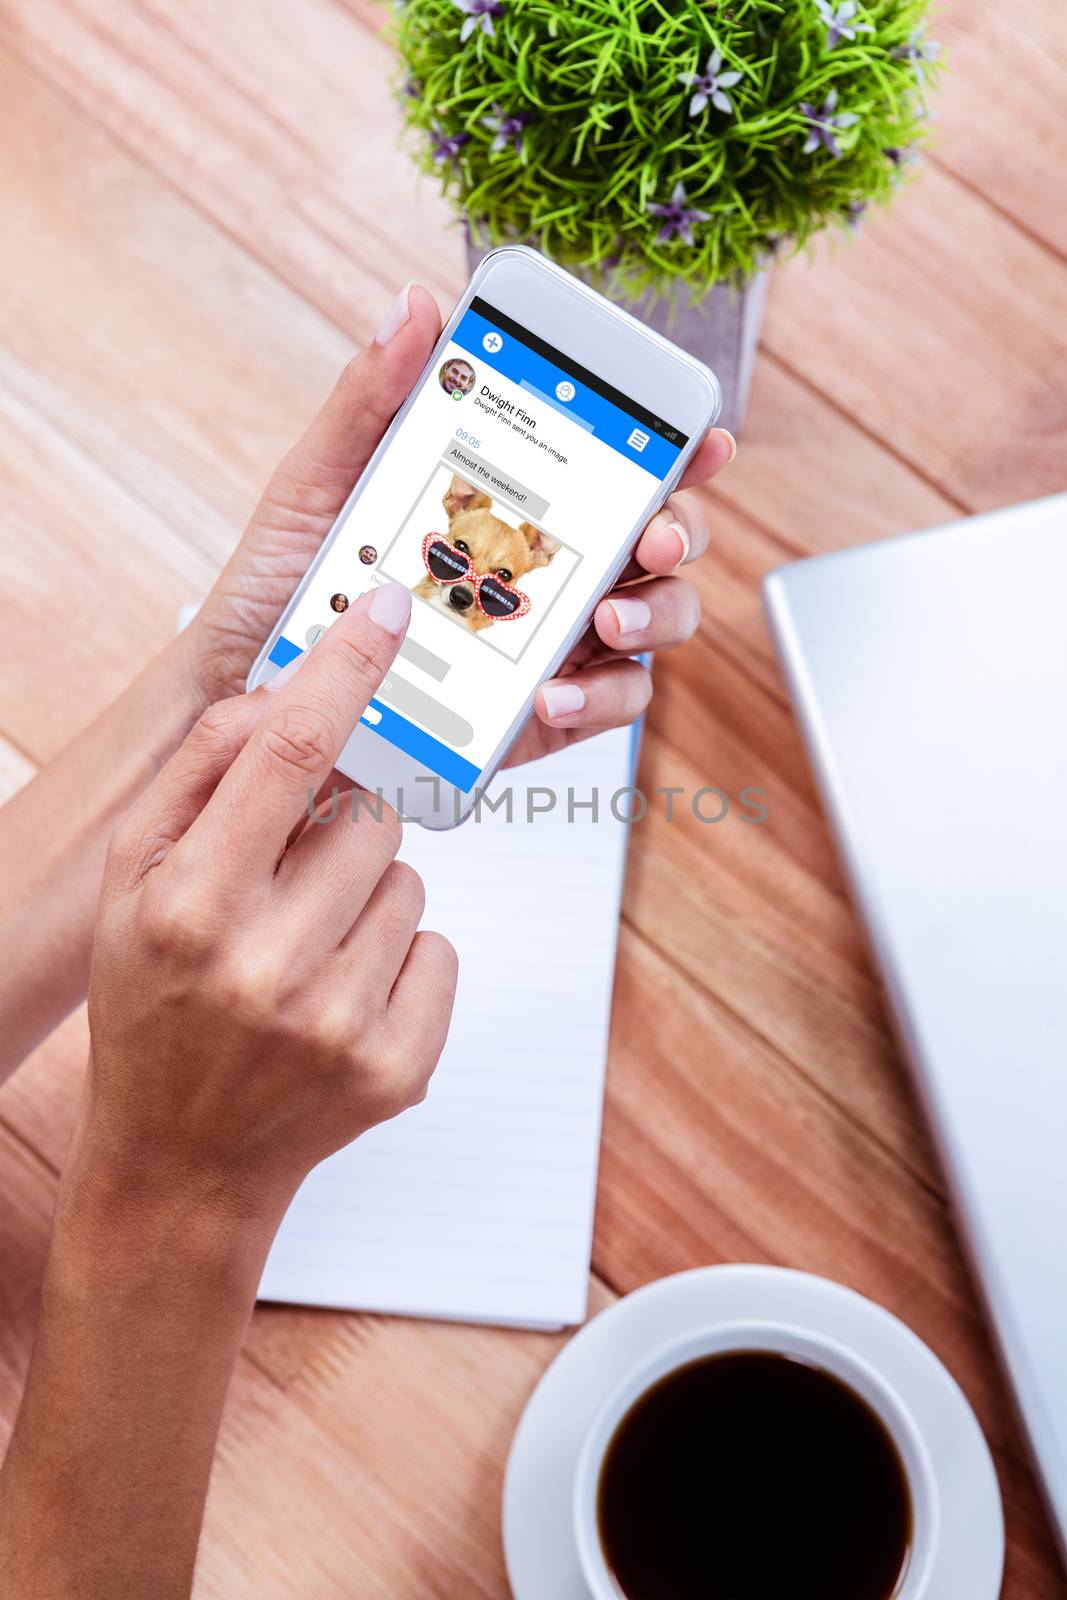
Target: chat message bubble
pixel 477 470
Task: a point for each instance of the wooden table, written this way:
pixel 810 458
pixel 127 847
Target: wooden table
pixel 204 210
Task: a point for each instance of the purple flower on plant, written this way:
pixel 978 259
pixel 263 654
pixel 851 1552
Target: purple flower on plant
pixel 855 212
pixel 838 20
pixel 508 129
pixel 678 216
pixel 711 84
pixel 447 145
pixel 900 156
pixel 824 123
pixel 770 249
pixel 920 51
pixel 480 14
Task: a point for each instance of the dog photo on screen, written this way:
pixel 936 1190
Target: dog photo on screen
pixel 474 569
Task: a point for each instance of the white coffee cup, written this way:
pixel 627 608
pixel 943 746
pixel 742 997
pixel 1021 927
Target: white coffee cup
pixel 779 1339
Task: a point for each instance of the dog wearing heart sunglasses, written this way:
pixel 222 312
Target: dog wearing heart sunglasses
pixel 492 547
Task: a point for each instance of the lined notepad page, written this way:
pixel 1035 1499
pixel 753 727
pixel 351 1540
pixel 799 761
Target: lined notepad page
pixel 478 1204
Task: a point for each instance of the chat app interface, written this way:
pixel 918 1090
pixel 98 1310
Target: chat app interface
pixel 501 504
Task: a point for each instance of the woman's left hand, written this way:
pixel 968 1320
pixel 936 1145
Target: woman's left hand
pixel 600 687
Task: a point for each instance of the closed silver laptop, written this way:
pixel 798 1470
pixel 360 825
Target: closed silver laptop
pixel 929 676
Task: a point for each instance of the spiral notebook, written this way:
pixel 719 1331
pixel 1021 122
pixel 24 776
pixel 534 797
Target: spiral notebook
pixel 478 1204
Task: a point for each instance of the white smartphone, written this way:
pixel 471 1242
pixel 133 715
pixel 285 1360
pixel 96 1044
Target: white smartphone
pixel 508 494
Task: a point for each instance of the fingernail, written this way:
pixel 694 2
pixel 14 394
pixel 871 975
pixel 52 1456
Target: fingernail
pixel 731 443
pixel 633 616
pixel 390 607
pixel 682 537
pixel 562 699
pixel 395 317
pixel 282 676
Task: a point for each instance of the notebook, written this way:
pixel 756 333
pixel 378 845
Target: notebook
pixel 478 1204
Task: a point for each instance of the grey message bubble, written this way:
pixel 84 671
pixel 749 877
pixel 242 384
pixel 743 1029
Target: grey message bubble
pixel 439 719
pixel 417 653
pixel 493 481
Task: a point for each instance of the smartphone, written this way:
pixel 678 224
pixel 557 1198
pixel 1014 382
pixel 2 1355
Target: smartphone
pixel 508 494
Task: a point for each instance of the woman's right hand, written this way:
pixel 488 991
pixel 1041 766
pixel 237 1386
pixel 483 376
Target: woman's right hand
pixel 259 996
pixel 259 993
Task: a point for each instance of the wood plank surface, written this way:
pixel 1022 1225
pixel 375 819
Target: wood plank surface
pixel 972 394
pixel 206 207
pixel 1000 122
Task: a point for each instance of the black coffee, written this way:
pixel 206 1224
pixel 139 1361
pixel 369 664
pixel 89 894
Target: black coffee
pixel 753 1477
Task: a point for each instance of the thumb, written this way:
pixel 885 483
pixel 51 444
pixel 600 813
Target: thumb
pixel 319 472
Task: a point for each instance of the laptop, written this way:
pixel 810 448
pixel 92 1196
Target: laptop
pixel 929 677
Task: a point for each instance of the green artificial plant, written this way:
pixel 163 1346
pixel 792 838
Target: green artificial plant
pixel 652 142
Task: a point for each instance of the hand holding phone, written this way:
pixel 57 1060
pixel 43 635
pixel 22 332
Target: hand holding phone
pixel 312 484
pixel 508 495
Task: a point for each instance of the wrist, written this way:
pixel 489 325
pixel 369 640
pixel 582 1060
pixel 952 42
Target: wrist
pixel 126 1219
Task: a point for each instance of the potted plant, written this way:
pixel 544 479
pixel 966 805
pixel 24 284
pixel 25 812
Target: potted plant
pixel 666 150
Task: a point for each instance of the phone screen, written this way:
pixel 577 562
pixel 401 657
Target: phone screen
pixel 501 503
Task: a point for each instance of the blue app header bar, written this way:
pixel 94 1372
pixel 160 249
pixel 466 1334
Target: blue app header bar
pixel 540 378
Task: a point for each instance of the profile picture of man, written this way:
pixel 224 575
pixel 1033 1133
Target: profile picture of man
pixel 368 555
pixel 456 378
pixel 339 602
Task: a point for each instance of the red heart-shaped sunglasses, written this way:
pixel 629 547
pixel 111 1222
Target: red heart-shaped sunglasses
pixel 494 597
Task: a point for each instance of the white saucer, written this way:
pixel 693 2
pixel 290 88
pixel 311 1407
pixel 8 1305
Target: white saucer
pixel 539 1543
